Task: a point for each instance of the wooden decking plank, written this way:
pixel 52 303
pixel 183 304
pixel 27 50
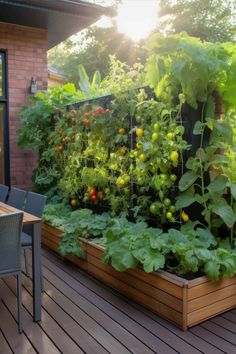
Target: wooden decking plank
pixel 4 347
pixel 105 321
pixel 112 329
pixel 122 317
pixel 212 338
pixel 225 323
pixel 82 338
pixel 187 336
pixel 18 343
pixel 220 332
pixel 147 340
pixel 229 316
pixel 181 337
pixel 156 329
pixel 48 324
pixel 96 330
pixel 32 330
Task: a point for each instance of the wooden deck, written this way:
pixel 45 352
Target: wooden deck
pixel 81 315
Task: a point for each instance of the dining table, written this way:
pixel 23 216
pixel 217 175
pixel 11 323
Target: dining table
pixel 36 254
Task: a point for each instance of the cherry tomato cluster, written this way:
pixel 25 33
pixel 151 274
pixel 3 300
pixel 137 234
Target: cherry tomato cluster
pixel 92 114
pixel 94 196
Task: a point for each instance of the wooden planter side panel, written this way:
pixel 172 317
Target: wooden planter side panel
pixel 209 299
pixel 51 238
pixel 163 303
pixel 155 293
pixel 182 302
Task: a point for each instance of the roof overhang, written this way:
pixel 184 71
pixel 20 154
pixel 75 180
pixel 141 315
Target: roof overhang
pixel 61 18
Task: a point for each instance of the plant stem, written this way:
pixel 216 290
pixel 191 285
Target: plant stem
pixel 201 168
pixel 232 228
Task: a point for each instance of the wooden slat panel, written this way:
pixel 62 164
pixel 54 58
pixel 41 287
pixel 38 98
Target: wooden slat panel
pixel 152 304
pixel 151 279
pixel 209 287
pixel 136 284
pixel 209 299
pixel 52 245
pixel 96 250
pixel 49 229
pixel 211 310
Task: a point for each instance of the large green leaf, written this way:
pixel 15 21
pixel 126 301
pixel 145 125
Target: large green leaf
pixel 187 180
pixel 155 261
pixel 218 185
pixel 212 269
pixel 233 189
pixel 224 129
pixel 226 213
pixel 123 260
pixel 151 259
pixel 96 79
pixel 184 201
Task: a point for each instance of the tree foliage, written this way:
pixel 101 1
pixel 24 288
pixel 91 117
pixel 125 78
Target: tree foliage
pixel 210 20
pixel 92 50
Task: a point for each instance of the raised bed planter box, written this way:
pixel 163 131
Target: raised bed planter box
pixel 183 302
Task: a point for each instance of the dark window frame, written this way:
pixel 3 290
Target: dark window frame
pixel 4 101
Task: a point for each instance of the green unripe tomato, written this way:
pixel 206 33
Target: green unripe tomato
pixel 172 208
pixel 154 208
pixel 155 136
pixel 173 178
pixel 142 157
pixel 167 202
pixel 156 127
pixel 174 156
pixel 169 215
pixel 170 136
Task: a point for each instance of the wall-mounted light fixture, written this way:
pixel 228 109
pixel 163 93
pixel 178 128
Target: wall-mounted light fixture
pixel 33 87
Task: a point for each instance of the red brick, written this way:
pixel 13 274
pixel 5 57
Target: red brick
pixel 27 58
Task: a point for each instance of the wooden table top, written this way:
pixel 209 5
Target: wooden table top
pixel 27 218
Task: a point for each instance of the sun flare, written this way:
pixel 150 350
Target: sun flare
pixel 137 18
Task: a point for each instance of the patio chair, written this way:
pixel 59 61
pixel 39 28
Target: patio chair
pixel 34 205
pixel 3 193
pixel 10 250
pixel 16 198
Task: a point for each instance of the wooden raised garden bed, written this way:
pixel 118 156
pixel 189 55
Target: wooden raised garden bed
pixel 183 302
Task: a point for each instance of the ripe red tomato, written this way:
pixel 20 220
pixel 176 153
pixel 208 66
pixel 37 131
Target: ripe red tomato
pixel 100 110
pixel 92 191
pixel 86 122
pixel 93 197
pixel 107 110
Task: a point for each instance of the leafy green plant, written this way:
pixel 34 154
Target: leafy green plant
pixel 183 65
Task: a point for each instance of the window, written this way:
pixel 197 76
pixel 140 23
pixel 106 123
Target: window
pixel 4 136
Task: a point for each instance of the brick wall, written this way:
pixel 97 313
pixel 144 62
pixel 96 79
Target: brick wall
pixel 27 57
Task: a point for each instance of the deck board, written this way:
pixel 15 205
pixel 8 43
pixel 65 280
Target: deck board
pixel 82 315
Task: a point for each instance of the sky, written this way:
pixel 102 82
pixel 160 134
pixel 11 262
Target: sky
pixel 136 18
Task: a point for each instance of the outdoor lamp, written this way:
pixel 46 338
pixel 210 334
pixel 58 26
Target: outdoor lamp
pixel 33 87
